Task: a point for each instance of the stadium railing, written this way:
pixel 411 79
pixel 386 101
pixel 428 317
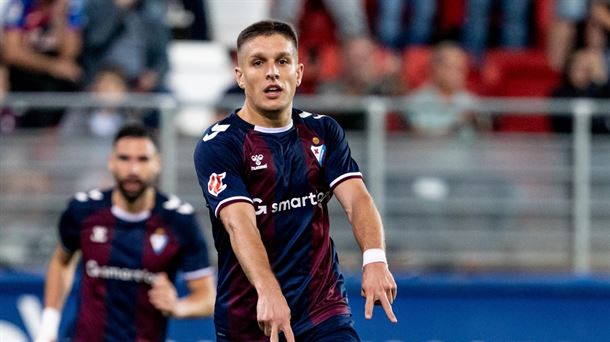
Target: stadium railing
pixel 395 170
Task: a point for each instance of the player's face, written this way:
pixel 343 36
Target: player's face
pixel 269 71
pixel 135 165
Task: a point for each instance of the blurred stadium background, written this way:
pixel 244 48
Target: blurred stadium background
pixel 491 232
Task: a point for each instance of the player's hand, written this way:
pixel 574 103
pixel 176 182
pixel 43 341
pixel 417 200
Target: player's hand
pixel 378 287
pixel 273 315
pixel 163 295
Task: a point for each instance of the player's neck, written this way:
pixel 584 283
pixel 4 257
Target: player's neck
pixel 145 202
pixel 269 119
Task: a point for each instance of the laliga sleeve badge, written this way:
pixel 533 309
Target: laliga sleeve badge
pixel 215 185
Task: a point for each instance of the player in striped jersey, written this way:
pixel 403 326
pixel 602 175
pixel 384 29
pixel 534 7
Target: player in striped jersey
pixel 133 241
pixel 267 172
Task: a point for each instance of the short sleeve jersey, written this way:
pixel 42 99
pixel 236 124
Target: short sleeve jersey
pixel 121 255
pixel 288 175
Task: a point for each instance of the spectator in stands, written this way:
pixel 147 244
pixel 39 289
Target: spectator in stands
pixel 130 34
pixel 349 15
pixel 346 21
pixel 188 19
pixel 223 107
pixel 585 76
pixel 562 33
pixel 361 74
pixel 514 27
pixel 599 29
pixel 443 106
pixel 40 46
pixel 390 27
pixel 7 116
pixel 109 85
pixel 600 13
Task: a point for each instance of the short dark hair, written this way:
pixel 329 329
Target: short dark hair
pixel 267 28
pixel 135 130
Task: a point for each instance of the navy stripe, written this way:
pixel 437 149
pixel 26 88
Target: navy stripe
pixel 120 294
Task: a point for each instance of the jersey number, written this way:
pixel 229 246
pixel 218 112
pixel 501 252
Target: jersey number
pixel 215 130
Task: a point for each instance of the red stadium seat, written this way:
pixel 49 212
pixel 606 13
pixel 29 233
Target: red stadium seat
pixel 519 74
pixel 416 64
pixel 451 15
pixel 543 13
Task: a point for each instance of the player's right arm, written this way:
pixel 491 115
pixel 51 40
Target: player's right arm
pixel 272 311
pixel 57 286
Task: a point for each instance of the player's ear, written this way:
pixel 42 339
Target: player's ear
pixel 110 162
pixel 157 163
pixel 300 68
pixel 239 77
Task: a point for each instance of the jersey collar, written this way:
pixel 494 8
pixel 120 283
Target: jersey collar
pixel 129 217
pixel 274 129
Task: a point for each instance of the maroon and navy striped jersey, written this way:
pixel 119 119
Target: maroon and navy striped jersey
pixel 288 175
pixel 121 255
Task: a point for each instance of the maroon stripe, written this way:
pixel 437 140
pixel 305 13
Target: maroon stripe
pixel 263 184
pixel 242 302
pixel 324 298
pixel 241 319
pixel 150 323
pixel 92 314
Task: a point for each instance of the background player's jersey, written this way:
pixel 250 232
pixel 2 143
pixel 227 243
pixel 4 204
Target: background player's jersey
pixel 287 174
pixel 121 254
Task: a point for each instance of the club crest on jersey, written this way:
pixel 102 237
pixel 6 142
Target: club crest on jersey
pixel 99 234
pixel 318 152
pixel 258 162
pixel 215 185
pixel 158 240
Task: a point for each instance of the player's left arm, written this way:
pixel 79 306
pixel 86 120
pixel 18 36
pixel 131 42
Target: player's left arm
pixel 378 284
pixel 198 303
pixel 197 272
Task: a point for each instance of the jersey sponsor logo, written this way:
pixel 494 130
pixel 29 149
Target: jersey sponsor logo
pixel 94 270
pixel 318 152
pixel 99 234
pixel 258 161
pixel 215 130
pixel 215 185
pixel 260 209
pixel 158 240
pixel 312 199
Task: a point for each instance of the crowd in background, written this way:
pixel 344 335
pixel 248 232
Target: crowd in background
pixel 446 52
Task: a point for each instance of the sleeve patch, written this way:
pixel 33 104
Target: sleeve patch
pixel 215 184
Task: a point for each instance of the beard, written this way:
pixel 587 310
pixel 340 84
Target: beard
pixel 132 195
